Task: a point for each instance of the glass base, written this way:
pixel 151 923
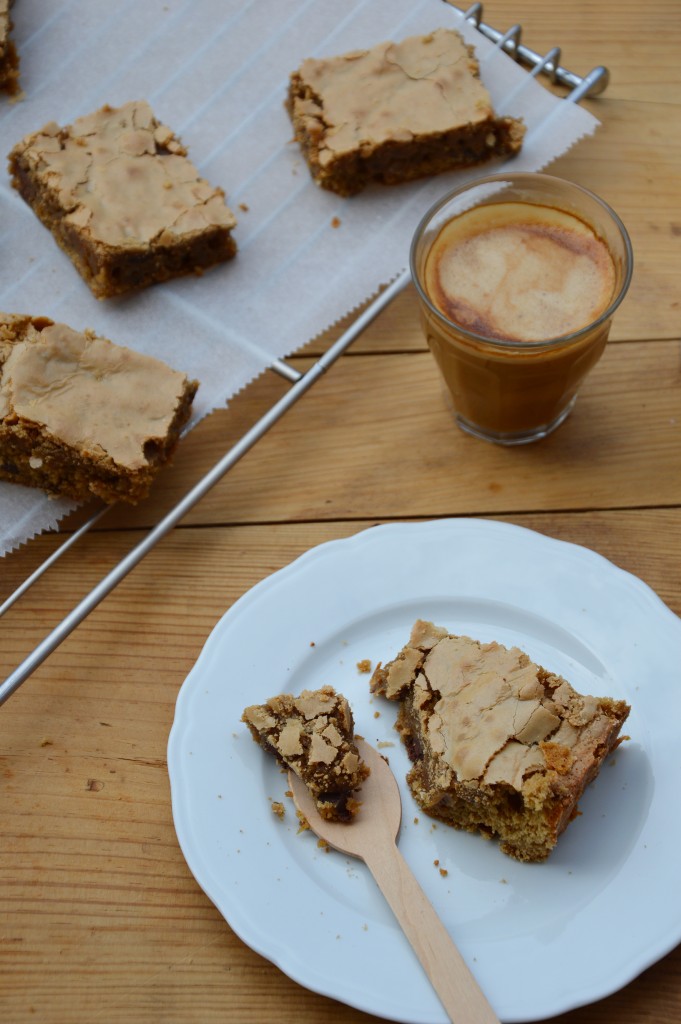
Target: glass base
pixel 520 437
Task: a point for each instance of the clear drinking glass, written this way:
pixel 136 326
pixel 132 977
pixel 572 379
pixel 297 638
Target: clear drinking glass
pixel 504 389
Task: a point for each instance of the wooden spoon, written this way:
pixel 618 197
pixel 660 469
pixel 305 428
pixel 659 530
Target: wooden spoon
pixel 372 836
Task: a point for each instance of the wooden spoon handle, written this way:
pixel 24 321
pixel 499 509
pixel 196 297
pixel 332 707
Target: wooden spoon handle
pixel 448 973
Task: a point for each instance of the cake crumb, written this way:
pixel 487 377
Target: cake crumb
pixel 278 808
pixel 364 665
pixel 444 872
pixel 244 206
pixel 382 744
pixel 377 714
pixel 335 222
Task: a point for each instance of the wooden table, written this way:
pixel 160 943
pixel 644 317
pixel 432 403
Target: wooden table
pixel 101 919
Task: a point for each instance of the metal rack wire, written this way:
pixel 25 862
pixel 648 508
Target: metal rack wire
pixel 548 64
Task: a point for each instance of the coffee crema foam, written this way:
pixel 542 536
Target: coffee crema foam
pixel 518 271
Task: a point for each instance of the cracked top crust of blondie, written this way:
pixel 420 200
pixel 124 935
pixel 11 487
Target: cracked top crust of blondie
pixel 490 714
pixel 313 735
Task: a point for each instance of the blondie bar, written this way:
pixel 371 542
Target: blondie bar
pixel 81 417
pixel 396 112
pixel 122 200
pixel 498 745
pixel 9 58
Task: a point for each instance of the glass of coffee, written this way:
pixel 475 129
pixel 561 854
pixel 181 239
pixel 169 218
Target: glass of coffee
pixel 518 277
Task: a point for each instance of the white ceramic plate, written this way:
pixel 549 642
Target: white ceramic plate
pixel 541 939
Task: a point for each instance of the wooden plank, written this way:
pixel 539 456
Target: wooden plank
pixel 635 41
pixel 101 917
pixel 375 437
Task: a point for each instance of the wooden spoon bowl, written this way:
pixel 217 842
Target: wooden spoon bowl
pixel 371 836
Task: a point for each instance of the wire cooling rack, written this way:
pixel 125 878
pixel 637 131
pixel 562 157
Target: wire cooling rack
pixel 548 65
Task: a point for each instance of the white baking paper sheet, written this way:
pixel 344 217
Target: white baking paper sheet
pixel 216 71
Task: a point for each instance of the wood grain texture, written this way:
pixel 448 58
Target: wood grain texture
pixel 622 37
pixel 100 918
pixel 94 891
pixel 376 437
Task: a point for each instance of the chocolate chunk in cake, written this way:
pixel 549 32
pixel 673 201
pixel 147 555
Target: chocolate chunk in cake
pixel 396 112
pixel 82 417
pixel 498 744
pixel 122 200
pixel 313 735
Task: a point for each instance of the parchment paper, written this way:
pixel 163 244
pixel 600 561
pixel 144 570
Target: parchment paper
pixel 216 71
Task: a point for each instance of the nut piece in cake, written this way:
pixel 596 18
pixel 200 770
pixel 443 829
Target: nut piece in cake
pixel 498 745
pixel 396 112
pixel 313 735
pixel 122 200
pixel 9 58
pixel 82 417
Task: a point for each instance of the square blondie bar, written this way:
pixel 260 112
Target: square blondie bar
pixel 498 745
pixel 81 417
pixel 122 200
pixel 396 112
